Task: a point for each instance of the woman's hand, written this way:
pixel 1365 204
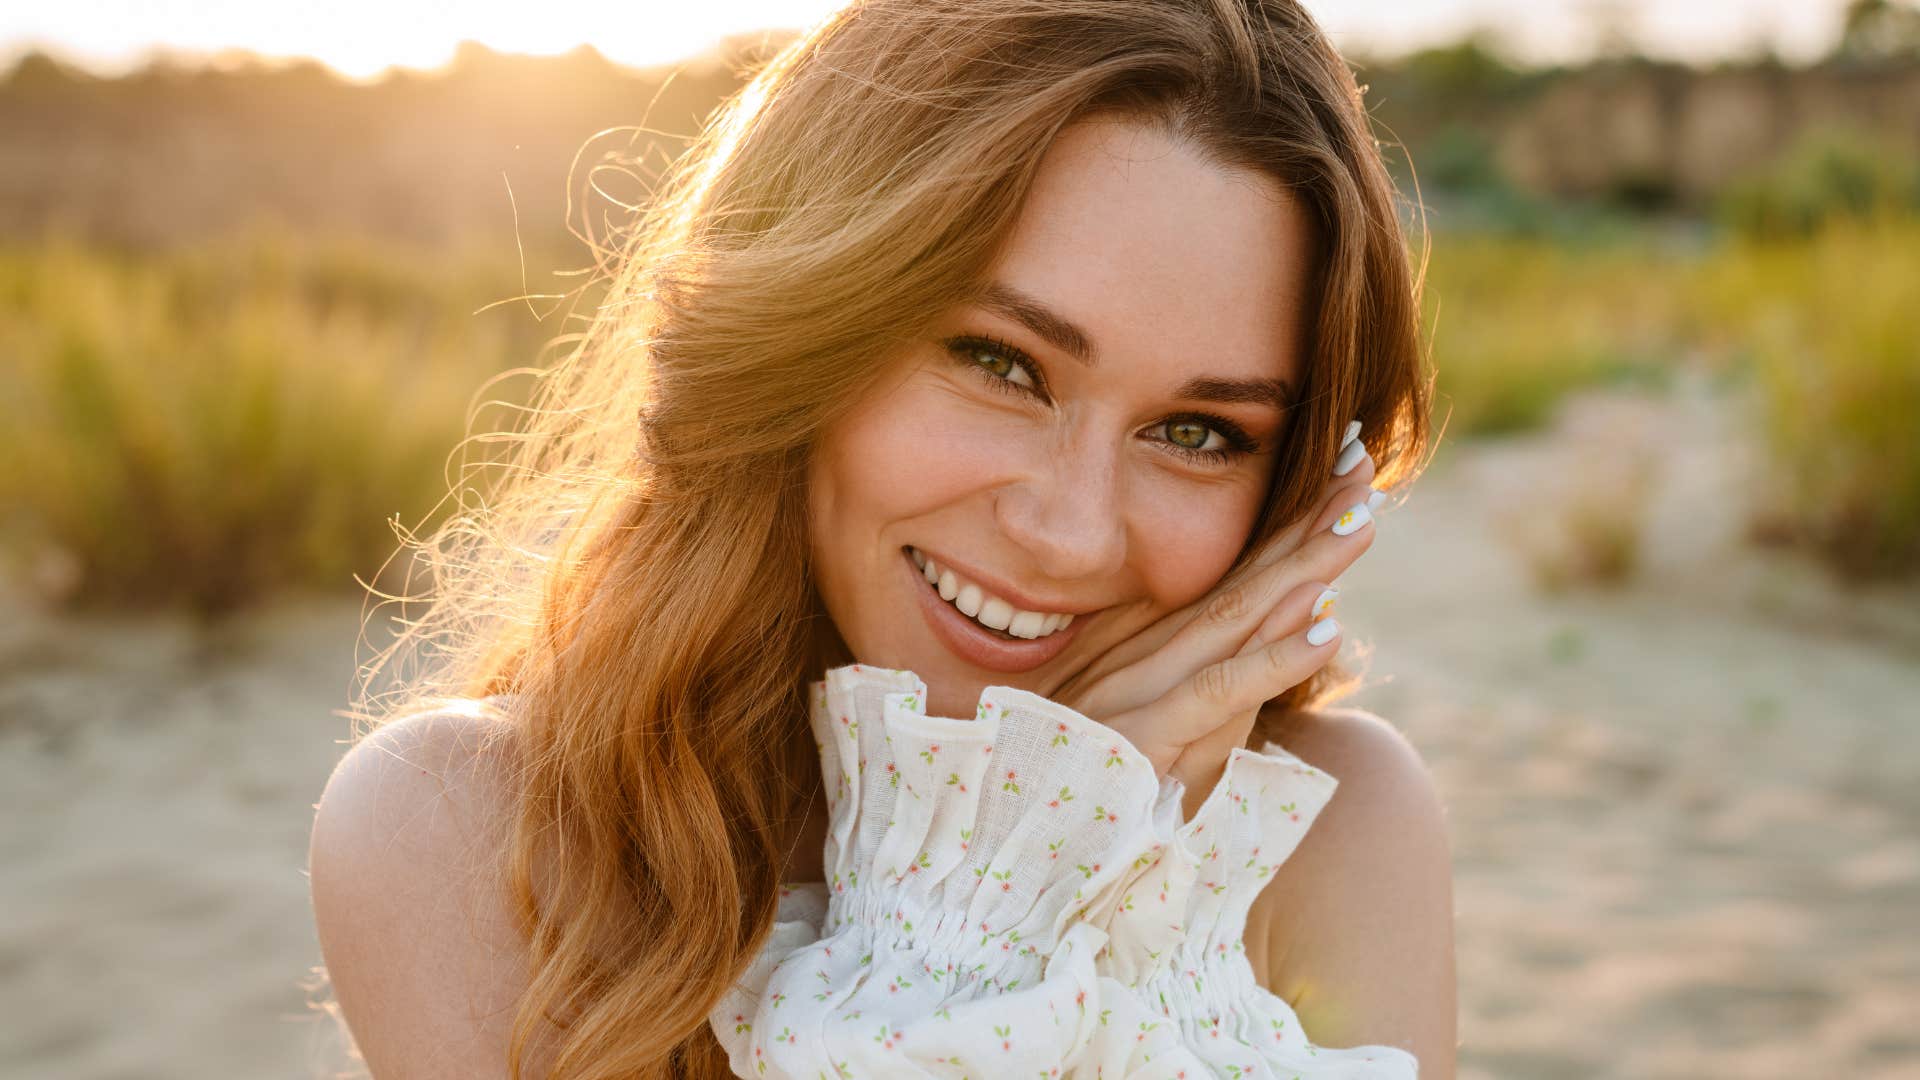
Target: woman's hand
pixel 1185 690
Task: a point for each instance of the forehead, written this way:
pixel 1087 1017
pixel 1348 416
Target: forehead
pixel 1164 258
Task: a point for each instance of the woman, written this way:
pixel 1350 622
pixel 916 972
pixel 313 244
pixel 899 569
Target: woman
pixel 1090 321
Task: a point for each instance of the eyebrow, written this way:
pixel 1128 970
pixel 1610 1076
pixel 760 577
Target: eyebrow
pixel 1005 300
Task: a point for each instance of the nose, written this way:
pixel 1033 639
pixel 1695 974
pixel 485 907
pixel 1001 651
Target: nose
pixel 1066 512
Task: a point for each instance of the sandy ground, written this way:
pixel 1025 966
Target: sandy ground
pixel 1686 811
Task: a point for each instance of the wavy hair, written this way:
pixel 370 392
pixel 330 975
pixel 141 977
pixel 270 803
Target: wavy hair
pixel 639 577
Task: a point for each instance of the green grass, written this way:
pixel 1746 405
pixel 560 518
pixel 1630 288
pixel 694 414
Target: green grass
pixel 1518 323
pixel 1829 328
pixel 200 428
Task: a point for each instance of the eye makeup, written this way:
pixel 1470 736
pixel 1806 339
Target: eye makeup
pixel 968 350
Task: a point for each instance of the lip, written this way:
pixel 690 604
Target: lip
pixel 976 644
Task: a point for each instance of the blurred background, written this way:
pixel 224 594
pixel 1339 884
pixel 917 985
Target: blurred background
pixel 1652 614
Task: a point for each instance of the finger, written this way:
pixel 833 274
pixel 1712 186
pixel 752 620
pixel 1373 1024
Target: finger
pixel 1221 702
pixel 1341 491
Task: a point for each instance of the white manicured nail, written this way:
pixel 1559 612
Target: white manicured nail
pixel 1325 603
pixel 1352 433
pixel 1351 521
pixel 1322 632
pixel 1349 457
pixel 1374 500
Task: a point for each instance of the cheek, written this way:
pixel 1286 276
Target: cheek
pixel 1185 541
pixel 906 453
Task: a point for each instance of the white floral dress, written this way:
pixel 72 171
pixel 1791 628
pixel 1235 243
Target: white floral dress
pixel 1016 895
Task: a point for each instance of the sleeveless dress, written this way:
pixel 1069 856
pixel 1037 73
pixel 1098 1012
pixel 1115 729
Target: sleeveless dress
pixel 1017 895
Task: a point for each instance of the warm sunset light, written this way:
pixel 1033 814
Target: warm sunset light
pixel 455 452
pixel 362 38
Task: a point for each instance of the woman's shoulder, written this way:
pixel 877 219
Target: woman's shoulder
pixel 456 751
pixel 1386 802
pixel 1358 748
pixel 405 869
pixel 1358 921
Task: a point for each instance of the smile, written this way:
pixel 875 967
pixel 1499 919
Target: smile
pixel 985 608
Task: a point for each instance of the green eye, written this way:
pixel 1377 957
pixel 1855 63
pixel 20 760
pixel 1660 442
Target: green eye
pixel 994 362
pixel 1188 434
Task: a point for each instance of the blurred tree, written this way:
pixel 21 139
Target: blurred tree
pixel 1876 31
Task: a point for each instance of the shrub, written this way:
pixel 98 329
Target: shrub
pixel 199 427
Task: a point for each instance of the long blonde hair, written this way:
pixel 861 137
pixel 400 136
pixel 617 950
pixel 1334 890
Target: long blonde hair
pixel 639 579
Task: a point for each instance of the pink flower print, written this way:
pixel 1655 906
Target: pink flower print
pixel 1065 796
pixel 987 749
pixel 1012 782
pixel 965 835
pixel 1102 812
pixel 740 1024
pixel 1087 871
pixel 1006 1035
pixel 927 754
pixel 787 1036
pixel 1288 809
pixel 1053 849
pixel 1005 878
pixel 1113 756
pixel 1060 734
pixel 953 781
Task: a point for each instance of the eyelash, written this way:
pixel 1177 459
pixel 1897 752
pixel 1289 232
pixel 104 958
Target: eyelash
pixel 964 348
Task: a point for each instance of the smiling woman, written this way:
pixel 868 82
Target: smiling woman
pixel 915 564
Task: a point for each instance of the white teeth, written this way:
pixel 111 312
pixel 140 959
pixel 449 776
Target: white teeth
pixel 989 610
pixel 996 613
pixel 969 599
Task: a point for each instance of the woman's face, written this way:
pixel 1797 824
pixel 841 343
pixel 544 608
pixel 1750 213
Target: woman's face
pixel 1094 439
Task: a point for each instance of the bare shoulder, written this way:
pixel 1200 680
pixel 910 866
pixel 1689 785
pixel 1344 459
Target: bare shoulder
pixel 1356 927
pixel 416 927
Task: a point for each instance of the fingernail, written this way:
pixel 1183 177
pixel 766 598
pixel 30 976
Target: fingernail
pixel 1325 603
pixel 1374 500
pixel 1351 521
pixel 1349 457
pixel 1322 632
pixel 1353 432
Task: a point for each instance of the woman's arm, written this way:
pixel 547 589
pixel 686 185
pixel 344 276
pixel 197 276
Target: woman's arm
pixel 1356 928
pixel 415 928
